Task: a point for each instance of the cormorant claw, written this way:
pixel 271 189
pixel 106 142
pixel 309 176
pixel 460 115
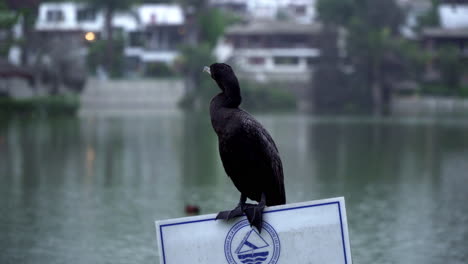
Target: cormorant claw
pixel 254 213
pixel 236 212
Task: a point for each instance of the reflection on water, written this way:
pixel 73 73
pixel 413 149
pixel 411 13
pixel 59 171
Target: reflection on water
pixel 87 190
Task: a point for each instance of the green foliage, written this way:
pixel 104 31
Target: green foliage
pixel 380 14
pixel 431 18
pixel 451 72
pixel 213 22
pixel 197 4
pixel 441 89
pixel 155 1
pixel 192 60
pixel 375 48
pixel 451 68
pixel 413 59
pixel 51 105
pixel 269 96
pixel 335 12
pixel 158 69
pixel 113 58
pixel 464 91
pixel 435 89
pixel 97 56
pixel 255 96
pixel 374 14
pixel 8 18
pixel 195 57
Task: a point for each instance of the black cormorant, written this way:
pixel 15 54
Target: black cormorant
pixel 248 153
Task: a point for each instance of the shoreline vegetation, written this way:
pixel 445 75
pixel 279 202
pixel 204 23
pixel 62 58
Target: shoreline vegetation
pixel 256 98
pixel 40 105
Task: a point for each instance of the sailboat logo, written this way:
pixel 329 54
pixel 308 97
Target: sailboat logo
pixel 244 245
pixel 252 249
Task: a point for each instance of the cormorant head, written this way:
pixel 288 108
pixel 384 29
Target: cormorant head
pixel 223 75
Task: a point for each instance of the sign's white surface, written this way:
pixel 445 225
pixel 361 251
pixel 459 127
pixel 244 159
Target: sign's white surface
pixel 310 232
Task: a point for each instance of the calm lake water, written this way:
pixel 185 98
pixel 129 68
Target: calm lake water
pixel 87 190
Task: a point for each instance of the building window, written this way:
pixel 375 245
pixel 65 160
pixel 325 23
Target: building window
pixel 54 15
pixel 86 14
pixel 256 60
pixel 136 39
pixel 312 61
pixel 301 10
pixel 286 60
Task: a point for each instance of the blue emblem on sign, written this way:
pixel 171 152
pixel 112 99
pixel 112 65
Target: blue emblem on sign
pixel 244 245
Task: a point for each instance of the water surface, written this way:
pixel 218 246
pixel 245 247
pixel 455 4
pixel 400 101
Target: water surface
pixel 87 190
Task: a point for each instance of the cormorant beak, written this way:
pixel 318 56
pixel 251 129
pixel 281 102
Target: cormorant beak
pixel 207 69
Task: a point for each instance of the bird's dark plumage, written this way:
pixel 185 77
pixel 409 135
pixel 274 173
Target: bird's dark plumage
pixel 248 153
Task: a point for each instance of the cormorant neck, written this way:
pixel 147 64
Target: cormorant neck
pixel 231 96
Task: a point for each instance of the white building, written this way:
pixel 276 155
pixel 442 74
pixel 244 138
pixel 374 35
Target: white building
pixel 157 36
pixel 152 31
pixel 300 11
pixel 77 17
pixel 273 50
pixel 453 16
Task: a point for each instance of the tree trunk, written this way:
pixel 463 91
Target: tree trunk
pixel 376 88
pixel 376 97
pixel 26 28
pixel 109 58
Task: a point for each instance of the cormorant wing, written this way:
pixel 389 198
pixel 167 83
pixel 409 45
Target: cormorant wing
pixel 250 157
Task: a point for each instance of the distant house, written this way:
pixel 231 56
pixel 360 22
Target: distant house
pixel 299 11
pixel 160 31
pixel 453 31
pixel 434 39
pixel 76 18
pixel 152 32
pixel 272 50
pixel 454 15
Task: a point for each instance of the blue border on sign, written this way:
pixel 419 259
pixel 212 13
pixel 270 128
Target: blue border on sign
pixel 272 211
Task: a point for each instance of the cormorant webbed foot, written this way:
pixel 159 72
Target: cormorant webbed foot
pixel 254 214
pixel 236 212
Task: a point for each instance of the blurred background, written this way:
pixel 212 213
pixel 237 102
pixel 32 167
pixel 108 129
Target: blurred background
pixel 104 123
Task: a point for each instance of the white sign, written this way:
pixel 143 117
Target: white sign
pixel 310 232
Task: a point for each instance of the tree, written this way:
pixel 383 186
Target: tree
pixel 372 43
pixel 193 9
pixel 27 9
pixel 109 7
pixel 431 18
pixel 205 26
pixel 451 68
pixel 8 19
pixel 335 12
